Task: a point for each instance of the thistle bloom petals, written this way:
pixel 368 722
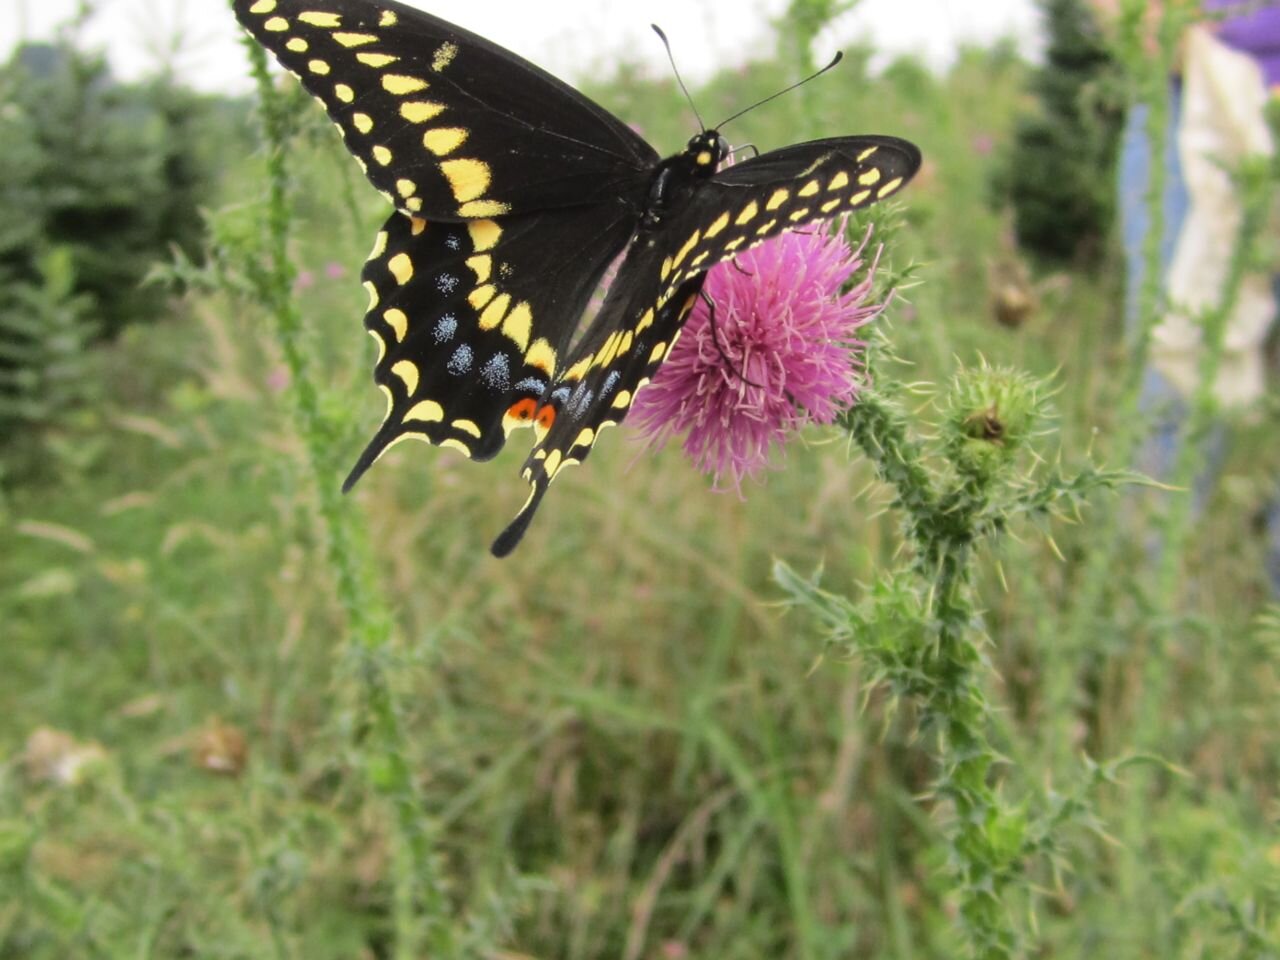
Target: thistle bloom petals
pixel 783 353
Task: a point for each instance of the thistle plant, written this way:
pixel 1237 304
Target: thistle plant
pixel 919 630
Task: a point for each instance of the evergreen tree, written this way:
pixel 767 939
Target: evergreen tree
pixel 1059 176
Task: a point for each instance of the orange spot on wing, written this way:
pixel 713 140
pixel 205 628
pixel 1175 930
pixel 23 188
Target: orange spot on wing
pixel 546 416
pixel 524 410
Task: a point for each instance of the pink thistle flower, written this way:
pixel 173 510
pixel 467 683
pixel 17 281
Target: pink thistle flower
pixel 787 354
pixel 334 271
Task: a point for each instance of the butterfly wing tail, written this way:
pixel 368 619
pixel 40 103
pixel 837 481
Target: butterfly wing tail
pixel 510 538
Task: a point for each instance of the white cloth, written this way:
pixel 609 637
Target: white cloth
pixel 1223 121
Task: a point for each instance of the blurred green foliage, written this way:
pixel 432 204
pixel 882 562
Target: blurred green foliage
pixel 98 181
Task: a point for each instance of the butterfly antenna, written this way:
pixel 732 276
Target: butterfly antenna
pixel 674 69
pixel 799 83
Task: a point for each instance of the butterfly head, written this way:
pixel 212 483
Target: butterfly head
pixel 707 149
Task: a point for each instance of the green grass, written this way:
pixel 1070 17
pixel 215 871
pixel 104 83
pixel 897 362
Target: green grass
pixel 623 743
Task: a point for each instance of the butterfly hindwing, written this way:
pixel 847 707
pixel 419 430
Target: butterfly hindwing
pixel 472 321
pixel 659 282
pixel 446 124
pixel 597 390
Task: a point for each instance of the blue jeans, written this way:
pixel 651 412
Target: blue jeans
pixel 1160 401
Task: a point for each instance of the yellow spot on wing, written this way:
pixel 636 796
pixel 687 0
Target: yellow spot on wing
pixel 798 215
pixel 362 122
pixel 764 228
pixel 866 153
pixel 720 223
pixel 382 155
pixel 444 140
pixel 318 67
pixel 376 60
pixel 455 444
pixel 389 19
pixel 608 351
pixel 406 188
pixel 889 187
pixel 483 208
pixel 401 85
pixel 417 225
pixel 467 178
pixel 355 39
pixel 492 315
pixel 665 270
pixel 857 198
pixel 263 6
pixel 519 325
pixel 379 245
pixel 276 25
pixel 749 211
pixel 688 247
pixel 481 295
pixel 646 320
pixel 398 321
pixel 622 400
pixel 841 179
pixel 467 426
pixel 810 188
pixel 830 205
pixel 420 111
pixel 484 234
pixel 298 45
pixel 382 345
pixel 870 178
pixel 401 268
pixel 482 266
pixel 427 411
pixel 319 19
pixel 407 372
pixel 585 438
pixel 551 465
pixel 542 356
pixel 344 93
pixel 444 56
pixel 659 351
pixel 373 294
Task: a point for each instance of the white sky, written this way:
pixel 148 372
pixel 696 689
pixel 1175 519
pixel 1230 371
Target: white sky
pixel 572 38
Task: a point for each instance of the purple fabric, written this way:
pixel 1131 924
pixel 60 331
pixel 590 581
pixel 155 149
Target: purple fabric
pixel 1252 28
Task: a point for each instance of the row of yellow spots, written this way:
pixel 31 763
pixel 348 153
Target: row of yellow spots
pixel 868 179
pixel 469 179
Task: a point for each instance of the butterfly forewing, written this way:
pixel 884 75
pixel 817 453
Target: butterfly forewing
pixel 657 286
pixel 445 123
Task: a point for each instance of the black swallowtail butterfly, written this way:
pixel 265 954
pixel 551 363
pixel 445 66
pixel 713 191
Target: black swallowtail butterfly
pixel 513 193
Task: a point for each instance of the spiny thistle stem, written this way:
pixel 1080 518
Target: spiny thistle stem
pixel 920 634
pixel 419 905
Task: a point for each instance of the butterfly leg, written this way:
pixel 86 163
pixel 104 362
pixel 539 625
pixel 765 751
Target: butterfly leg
pixel 715 338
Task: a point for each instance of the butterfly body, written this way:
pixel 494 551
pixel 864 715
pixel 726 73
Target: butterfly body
pixel 513 194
